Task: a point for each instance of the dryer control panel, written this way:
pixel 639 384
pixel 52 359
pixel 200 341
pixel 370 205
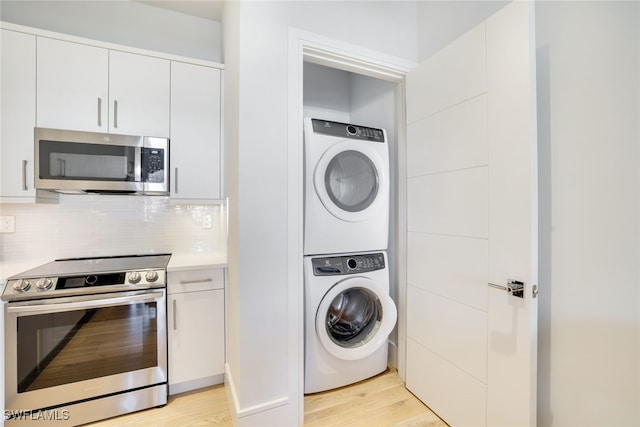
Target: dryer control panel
pixel 347 131
pixel 347 264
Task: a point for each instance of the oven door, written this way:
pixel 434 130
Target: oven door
pixel 64 350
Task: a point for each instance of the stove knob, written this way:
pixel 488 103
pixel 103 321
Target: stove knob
pixel 151 276
pixel 134 277
pixel 44 284
pixel 22 285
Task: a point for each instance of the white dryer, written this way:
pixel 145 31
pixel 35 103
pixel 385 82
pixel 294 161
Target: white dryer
pixel 346 188
pixel 348 318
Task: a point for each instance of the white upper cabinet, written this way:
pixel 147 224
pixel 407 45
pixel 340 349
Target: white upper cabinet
pixel 73 86
pixel 138 94
pixel 95 89
pixel 195 132
pixel 18 114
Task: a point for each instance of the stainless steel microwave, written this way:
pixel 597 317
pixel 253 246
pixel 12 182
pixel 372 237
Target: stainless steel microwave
pixel 76 162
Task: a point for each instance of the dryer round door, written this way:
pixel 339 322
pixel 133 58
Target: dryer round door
pixel 351 180
pixel 354 318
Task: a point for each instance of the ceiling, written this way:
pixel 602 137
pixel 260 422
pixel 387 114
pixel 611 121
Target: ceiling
pixel 208 9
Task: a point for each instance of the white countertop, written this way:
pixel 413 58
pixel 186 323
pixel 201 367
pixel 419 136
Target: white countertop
pixel 194 261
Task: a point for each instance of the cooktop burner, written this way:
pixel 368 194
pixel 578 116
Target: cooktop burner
pixel 78 276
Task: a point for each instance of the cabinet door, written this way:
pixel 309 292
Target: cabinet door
pixel 72 83
pixel 195 132
pixel 196 335
pixel 138 94
pixel 18 113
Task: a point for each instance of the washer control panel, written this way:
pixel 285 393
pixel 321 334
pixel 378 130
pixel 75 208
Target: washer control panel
pixel 347 264
pixel 347 131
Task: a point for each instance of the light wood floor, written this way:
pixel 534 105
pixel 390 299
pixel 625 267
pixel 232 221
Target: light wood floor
pixel 377 402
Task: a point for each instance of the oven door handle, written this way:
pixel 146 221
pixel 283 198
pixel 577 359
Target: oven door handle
pixel 85 302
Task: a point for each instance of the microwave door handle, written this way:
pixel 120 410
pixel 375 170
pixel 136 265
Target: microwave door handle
pixel 83 303
pixel 62 167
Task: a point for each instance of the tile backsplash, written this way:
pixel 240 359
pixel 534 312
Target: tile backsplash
pixel 100 225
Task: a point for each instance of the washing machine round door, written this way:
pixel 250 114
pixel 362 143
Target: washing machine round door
pixel 351 180
pixel 354 318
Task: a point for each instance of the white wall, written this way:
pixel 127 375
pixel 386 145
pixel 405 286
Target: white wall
pixel 123 22
pixel 327 93
pixel 588 84
pixel 265 359
pixel 231 127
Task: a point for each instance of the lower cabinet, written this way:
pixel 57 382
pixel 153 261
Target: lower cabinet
pixel 195 323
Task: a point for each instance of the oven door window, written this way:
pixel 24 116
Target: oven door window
pixel 95 162
pixel 66 347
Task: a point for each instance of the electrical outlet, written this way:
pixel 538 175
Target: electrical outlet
pixel 7 224
pixel 206 221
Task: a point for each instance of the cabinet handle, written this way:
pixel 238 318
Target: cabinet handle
pixel 188 282
pixel 115 113
pixel 99 111
pixel 175 320
pixel 24 175
pixel 175 181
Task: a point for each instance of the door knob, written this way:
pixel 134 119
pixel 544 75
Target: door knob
pixel 514 287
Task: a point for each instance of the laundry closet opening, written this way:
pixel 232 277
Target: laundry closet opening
pixel 338 95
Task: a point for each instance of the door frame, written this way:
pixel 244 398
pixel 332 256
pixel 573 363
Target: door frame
pixel 310 47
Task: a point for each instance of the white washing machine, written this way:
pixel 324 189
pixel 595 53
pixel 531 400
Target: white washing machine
pixel 346 188
pixel 348 318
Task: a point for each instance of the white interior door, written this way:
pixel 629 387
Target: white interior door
pixel 471 222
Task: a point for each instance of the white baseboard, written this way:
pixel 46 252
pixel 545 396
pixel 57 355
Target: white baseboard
pixel 239 413
pixel 195 384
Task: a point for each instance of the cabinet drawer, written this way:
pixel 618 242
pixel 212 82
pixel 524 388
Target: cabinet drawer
pixel 202 279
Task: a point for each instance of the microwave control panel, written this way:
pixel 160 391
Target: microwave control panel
pixel 152 164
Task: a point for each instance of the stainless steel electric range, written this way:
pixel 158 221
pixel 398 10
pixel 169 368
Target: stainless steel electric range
pixel 85 339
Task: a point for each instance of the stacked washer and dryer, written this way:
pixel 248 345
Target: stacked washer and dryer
pixel 348 311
